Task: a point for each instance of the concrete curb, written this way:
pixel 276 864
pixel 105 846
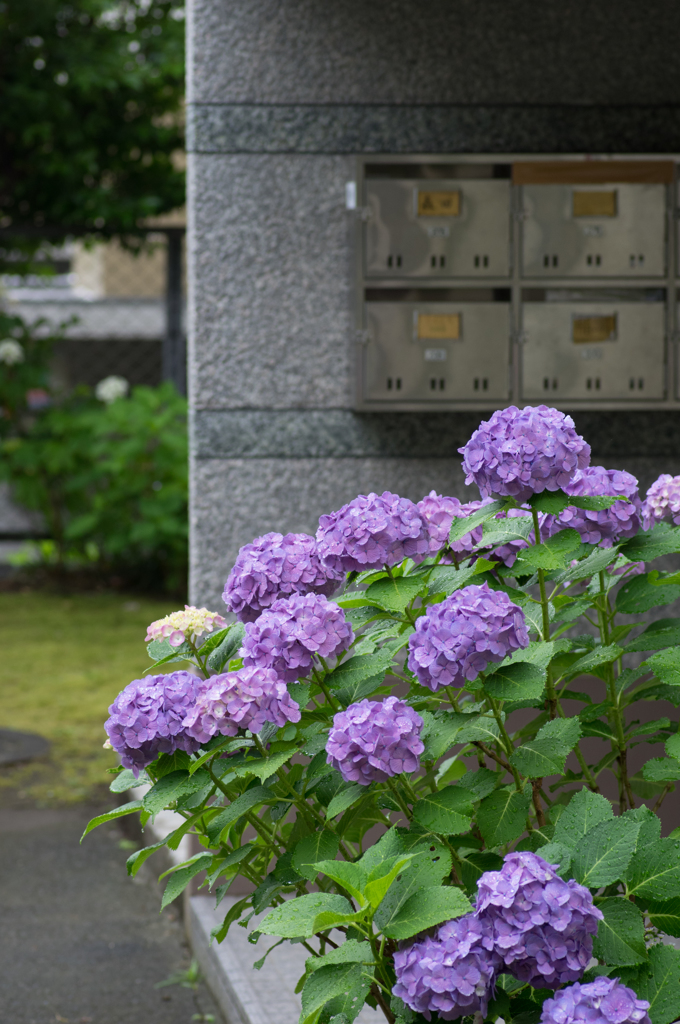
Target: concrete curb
pixel 244 995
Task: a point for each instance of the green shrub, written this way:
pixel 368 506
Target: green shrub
pixel 110 482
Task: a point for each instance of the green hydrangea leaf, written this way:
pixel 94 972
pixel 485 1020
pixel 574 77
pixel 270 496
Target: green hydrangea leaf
pixel 658 982
pixel 295 918
pixel 620 939
pixel 448 812
pixel 426 908
pixel 502 816
pixel 604 853
pixel 654 871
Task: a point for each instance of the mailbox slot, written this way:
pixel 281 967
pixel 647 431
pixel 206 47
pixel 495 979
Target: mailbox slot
pixel 441 229
pixel 432 351
pixel 585 349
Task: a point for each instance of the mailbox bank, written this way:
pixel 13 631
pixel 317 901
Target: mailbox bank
pixel 485 281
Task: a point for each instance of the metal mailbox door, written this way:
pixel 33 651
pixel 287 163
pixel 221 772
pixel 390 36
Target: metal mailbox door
pixel 429 228
pixel 593 350
pixel 437 351
pixel 593 230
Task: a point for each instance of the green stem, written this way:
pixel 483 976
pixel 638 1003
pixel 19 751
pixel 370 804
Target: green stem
pixel 335 706
pixel 615 715
pixel 400 800
pixel 545 610
pixel 507 742
pixel 453 698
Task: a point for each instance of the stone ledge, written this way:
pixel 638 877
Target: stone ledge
pixel 342 433
pixel 430 128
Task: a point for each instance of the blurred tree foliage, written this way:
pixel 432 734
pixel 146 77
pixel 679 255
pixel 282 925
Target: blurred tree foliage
pixel 91 116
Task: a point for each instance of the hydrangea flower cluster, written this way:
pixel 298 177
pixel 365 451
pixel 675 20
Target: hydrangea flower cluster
pixel 439 513
pixel 451 974
pixel 455 640
pixel 148 718
pixel 292 631
pixel 610 525
pixel 372 531
pixel 272 567
pixel 372 741
pixel 662 501
pixel 179 626
pixel 245 699
pixel 520 452
pixel 603 1001
pixel 541 926
pixel 11 352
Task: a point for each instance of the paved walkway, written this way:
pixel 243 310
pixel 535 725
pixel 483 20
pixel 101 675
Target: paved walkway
pixel 79 941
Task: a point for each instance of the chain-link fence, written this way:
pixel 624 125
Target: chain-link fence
pixel 124 306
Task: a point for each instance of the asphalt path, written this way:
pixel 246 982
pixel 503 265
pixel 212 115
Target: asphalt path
pixel 80 942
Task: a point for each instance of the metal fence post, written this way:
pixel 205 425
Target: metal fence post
pixel 174 343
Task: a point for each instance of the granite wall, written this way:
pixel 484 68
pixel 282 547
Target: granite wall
pixel 282 94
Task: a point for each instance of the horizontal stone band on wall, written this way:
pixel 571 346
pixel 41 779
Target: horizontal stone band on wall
pixel 383 128
pixel 341 433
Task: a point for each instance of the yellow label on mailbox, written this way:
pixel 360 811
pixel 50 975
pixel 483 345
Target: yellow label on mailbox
pixel 438 204
pixel 593 328
pixel 594 204
pixel 439 325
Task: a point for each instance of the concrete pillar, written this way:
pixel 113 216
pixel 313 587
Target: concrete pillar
pixel 282 95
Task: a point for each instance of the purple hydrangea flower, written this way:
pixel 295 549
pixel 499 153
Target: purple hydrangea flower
pixel 603 1001
pixel 451 975
pixel 147 718
pixel 292 631
pixel 245 699
pixel 273 566
pixel 662 501
pixel 520 452
pixel 540 925
pixel 456 640
pixel 613 524
pixel 439 513
pixel 372 741
pixel 371 532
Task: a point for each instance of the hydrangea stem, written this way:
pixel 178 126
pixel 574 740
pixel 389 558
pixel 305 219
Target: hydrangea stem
pixel 615 715
pixel 545 610
pixel 400 800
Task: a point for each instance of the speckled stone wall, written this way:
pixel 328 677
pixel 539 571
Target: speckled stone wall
pixel 282 94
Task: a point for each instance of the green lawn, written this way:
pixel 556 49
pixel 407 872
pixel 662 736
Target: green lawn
pixel 64 659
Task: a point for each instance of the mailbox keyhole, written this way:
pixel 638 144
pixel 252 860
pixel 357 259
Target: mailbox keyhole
pixel 547 384
pixel 442 261
pixel 433 384
pixel 394 260
pixel 442 383
pixel 398 383
pixel 481 261
pixel 547 260
pixel 640 384
pixel 433 261
pixel 593 383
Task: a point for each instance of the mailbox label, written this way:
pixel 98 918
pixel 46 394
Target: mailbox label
pixel 438 204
